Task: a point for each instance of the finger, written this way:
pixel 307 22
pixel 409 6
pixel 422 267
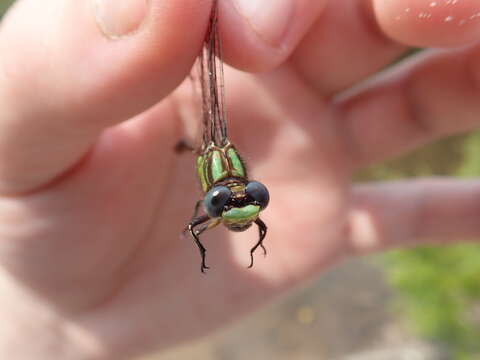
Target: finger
pixel 259 35
pixel 70 69
pixel 406 213
pixel 345 45
pixel 432 95
pixel 429 23
pixel 353 39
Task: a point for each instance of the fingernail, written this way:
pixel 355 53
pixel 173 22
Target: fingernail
pixel 118 18
pixel 269 19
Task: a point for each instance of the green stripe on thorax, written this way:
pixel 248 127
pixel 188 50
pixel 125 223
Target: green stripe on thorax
pixel 218 163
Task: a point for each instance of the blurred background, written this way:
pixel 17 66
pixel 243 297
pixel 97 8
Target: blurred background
pixel 416 304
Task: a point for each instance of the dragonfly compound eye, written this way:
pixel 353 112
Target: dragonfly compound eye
pixel 215 200
pixel 259 193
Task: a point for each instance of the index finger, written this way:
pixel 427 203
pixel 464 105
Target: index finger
pixel 69 69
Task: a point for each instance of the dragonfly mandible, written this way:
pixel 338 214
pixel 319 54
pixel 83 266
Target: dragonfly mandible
pixel 229 197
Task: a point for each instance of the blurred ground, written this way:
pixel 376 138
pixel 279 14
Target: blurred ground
pixel 344 315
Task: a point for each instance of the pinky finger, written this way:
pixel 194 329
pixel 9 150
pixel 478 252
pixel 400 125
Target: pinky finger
pixel 406 213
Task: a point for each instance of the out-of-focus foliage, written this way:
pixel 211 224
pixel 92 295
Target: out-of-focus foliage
pixel 4 4
pixel 471 164
pixel 439 287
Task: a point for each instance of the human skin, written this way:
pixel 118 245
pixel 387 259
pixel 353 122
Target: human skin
pixel 92 264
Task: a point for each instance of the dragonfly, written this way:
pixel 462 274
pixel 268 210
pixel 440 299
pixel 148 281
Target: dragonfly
pixel 229 197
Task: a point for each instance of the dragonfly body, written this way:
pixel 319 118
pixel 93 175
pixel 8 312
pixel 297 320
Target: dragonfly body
pixel 220 168
pixel 230 198
pixel 219 163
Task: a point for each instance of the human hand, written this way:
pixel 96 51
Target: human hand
pixel 94 197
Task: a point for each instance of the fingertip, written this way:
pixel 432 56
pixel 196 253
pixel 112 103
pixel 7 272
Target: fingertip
pixel 90 63
pixel 259 35
pixel 429 23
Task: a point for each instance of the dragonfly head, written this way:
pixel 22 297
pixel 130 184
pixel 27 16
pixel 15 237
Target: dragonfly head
pixel 237 204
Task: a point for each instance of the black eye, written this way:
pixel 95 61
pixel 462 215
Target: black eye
pixel 259 193
pixel 215 200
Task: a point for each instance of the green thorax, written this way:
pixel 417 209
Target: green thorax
pixel 218 163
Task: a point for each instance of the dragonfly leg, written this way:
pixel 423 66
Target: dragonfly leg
pixel 182 146
pixel 262 230
pixel 197 208
pixel 195 235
